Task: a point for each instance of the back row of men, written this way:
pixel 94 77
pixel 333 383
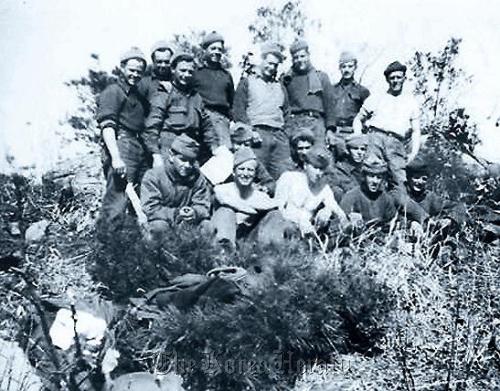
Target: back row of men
pixel 279 129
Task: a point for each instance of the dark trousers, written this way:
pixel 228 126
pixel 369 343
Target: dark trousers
pixel 274 151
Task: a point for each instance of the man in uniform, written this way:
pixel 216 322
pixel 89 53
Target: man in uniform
pixel 120 115
pixel 244 211
pixel 370 202
pixel 261 101
pixel 161 73
pixel 346 174
pixel 308 90
pixel 347 97
pixel 300 144
pixel 176 193
pixel 180 112
pixel 394 120
pixel 215 85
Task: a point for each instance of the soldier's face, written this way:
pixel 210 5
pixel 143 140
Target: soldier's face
pixel 357 153
pixel 244 173
pixel 133 70
pixel 214 52
pixel 418 183
pixel 269 66
pixel 183 165
pixel 396 80
pixel 303 146
pixel 314 174
pixel 239 145
pixel 161 62
pixel 347 69
pixel 301 60
pixel 374 182
pixel 183 73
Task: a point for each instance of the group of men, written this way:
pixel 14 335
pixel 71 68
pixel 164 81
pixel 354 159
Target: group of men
pixel 306 154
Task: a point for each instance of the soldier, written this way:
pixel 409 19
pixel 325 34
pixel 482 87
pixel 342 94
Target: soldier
pixel 300 144
pixel 308 90
pixel 215 85
pixel 244 211
pixel 346 174
pixel 120 115
pixel 161 73
pixel 180 112
pixel 176 193
pixel 393 120
pixel 369 202
pixel 347 97
pixel 261 101
pixel 242 137
pixel 303 197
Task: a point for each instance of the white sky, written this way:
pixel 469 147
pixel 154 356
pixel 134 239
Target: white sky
pixel 46 42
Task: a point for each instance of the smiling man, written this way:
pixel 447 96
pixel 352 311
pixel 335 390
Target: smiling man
pixel 161 73
pixel 182 111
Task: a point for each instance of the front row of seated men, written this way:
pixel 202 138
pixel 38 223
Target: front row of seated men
pixel 304 201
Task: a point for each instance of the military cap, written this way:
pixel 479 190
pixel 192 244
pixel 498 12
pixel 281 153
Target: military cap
pixel 162 45
pixel 304 134
pixel 210 38
pixel 346 56
pixel 297 45
pixel 241 132
pixel 417 167
pixel 374 165
pixel 394 67
pixel 356 140
pixel 318 157
pixel 270 47
pixel 180 56
pixel 243 155
pixel 133 52
pixel 185 146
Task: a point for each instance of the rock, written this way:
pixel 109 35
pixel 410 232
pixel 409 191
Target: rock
pixel 17 373
pixel 36 231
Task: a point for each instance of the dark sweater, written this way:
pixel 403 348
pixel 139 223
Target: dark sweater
pixel 216 87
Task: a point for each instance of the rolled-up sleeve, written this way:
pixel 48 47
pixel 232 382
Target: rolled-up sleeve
pixel 109 104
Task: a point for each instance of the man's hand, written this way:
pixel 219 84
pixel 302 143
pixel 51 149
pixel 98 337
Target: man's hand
pixel 356 220
pixel 186 213
pixel 119 166
pixel 322 218
pixel 157 160
pixel 256 139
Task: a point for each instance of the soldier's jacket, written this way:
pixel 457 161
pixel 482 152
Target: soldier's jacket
pixel 347 99
pixel 379 208
pixel 343 177
pixel 164 192
pixel 149 86
pixel 178 112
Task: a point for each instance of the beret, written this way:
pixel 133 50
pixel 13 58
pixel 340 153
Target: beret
pixel 241 132
pixel 347 57
pixel 318 157
pixel 394 67
pixel 418 167
pixel 304 134
pixel 162 45
pixel 272 48
pixel 180 56
pixel 356 140
pixel 133 52
pixel 297 45
pixel 243 155
pixel 374 165
pixel 185 146
pixel 211 38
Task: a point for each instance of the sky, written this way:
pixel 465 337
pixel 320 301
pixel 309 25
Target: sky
pixel 47 42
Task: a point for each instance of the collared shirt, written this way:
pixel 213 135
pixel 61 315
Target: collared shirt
pixel 163 192
pixel 392 113
pixel 121 106
pixel 216 87
pixel 347 98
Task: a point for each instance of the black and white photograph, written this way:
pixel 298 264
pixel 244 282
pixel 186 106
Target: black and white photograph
pixel 282 195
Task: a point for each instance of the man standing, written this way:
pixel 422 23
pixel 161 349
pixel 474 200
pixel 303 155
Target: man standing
pixel 176 193
pixel 393 119
pixel 260 100
pixel 308 91
pixel 180 112
pixel 347 97
pixel 244 211
pixel 215 85
pixel 161 74
pixel 120 115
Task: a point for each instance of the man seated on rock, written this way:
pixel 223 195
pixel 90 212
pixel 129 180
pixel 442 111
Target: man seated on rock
pixel 300 144
pixel 369 202
pixel 304 199
pixel 346 174
pixel 176 193
pixel 242 137
pixel 244 211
